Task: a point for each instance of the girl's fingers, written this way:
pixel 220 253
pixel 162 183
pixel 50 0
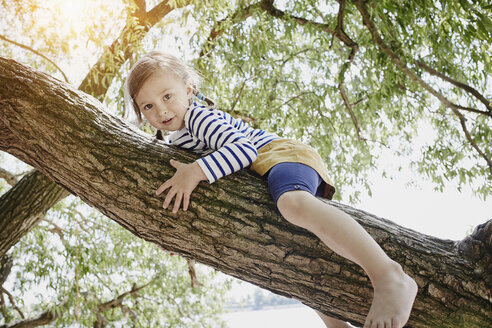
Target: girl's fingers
pixel 163 187
pixel 177 202
pixel 174 163
pixel 169 197
pixel 186 202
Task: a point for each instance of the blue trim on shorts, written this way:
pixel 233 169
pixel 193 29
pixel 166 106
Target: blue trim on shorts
pixel 291 176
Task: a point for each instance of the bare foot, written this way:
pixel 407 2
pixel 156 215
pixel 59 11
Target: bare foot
pixel 394 294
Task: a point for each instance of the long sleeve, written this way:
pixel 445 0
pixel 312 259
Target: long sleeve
pixel 222 133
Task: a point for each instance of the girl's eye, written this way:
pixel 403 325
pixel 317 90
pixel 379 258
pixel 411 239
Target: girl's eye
pixel 148 106
pixel 167 97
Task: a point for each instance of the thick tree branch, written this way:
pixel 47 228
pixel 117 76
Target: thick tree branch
pixel 463 86
pixel 231 224
pixel 18 214
pixel 360 4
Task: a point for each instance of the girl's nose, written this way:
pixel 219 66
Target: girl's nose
pixel 162 109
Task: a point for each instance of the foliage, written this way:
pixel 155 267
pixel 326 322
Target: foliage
pixel 78 259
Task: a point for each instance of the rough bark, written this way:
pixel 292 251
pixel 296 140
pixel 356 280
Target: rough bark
pixel 34 200
pixel 231 225
pixel 17 216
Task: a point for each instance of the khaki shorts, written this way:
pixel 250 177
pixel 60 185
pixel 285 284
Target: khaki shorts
pixel 288 150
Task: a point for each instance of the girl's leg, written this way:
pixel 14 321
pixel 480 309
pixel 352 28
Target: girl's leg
pixel 394 291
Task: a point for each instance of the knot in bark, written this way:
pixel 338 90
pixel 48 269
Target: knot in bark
pixel 478 247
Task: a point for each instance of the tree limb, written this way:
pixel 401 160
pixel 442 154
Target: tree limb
pixel 349 108
pixel 43 319
pixel 340 33
pixel 219 27
pixel 9 177
pixel 11 299
pixel 118 302
pixel 414 77
pixel 463 86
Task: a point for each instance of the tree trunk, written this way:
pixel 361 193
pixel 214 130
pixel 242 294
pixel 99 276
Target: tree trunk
pixel 36 194
pixel 18 217
pixel 231 225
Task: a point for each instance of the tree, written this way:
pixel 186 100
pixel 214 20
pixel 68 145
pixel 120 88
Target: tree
pixel 92 152
pixel 368 85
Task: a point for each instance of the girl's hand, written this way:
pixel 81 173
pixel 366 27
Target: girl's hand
pixel 183 182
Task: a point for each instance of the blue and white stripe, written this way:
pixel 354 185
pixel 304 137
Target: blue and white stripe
pixel 228 144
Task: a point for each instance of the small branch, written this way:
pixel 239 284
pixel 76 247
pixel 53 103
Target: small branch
pixel 267 5
pixel 191 269
pixel 349 108
pixel 44 319
pixel 414 77
pixel 9 177
pixel 340 33
pixel 11 299
pixel 118 301
pixel 463 86
pixel 160 10
pixel 240 15
pixel 37 53
pixel 2 307
pixel 56 228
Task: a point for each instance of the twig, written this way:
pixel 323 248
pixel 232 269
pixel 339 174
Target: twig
pixel 191 270
pixel 461 85
pixel 57 229
pixel 37 53
pixel 9 177
pixel 11 299
pixel 349 108
pixel 341 35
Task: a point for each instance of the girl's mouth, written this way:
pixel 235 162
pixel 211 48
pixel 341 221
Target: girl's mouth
pixel 166 122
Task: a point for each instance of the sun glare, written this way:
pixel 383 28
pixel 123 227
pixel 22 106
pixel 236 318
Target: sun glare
pixel 72 12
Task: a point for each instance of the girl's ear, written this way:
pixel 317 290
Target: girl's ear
pixel 189 91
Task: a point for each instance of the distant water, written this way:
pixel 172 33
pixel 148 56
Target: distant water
pixel 282 317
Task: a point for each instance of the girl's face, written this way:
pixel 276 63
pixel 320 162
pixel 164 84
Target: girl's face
pixel 163 100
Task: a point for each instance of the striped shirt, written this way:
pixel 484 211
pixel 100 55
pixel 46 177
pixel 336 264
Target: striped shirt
pixel 228 144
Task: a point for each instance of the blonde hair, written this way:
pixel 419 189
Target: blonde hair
pixel 149 64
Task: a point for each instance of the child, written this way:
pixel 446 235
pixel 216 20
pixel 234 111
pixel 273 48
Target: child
pixel 162 89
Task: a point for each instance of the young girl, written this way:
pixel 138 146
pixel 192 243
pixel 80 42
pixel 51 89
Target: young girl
pixel 163 89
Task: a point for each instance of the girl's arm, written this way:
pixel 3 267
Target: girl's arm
pixel 233 151
pixel 219 131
